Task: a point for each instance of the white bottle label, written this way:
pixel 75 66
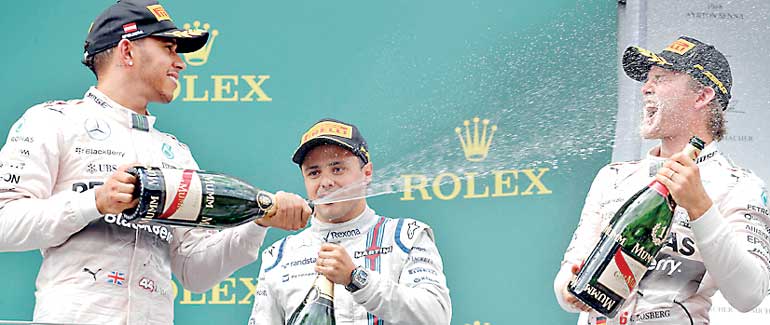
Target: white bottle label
pixel 622 274
pixel 183 194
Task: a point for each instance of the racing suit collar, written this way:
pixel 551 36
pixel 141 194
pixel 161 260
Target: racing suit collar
pixel 335 232
pixel 118 112
pixel 705 154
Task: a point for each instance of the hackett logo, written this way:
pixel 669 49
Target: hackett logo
pixel 217 88
pixel 475 142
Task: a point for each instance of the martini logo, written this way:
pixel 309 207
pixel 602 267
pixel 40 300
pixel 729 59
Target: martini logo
pixel 192 87
pixel 475 141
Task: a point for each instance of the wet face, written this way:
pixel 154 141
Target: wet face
pixel 158 68
pixel 331 172
pixel 668 104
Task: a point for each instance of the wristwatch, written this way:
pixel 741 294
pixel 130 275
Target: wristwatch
pixel 358 279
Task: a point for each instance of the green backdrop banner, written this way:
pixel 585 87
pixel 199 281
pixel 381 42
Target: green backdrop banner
pixel 412 75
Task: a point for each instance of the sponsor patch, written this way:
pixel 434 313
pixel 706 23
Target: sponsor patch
pixel 116 278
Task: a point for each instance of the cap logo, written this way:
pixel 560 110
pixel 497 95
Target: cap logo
pixel 712 77
pixel 328 128
pixel 363 150
pixel 680 46
pixel 159 12
pixel 186 33
pixel 652 56
pixel 129 28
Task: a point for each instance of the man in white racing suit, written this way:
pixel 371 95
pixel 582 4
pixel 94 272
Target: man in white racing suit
pixel 719 238
pixel 386 271
pixel 64 185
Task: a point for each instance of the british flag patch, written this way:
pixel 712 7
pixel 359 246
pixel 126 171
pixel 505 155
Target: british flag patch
pixel 116 278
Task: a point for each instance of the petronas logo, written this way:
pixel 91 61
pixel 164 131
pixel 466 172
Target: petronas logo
pixel 201 56
pixel 476 143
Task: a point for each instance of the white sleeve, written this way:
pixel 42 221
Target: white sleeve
pixel 31 216
pixel 733 240
pixel 202 258
pixel 266 308
pixel 421 295
pixel 583 240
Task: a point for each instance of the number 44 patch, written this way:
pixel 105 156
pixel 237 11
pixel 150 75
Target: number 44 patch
pixel 147 284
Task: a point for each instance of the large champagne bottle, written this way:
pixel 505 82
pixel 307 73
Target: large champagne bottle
pixel 195 198
pixel 318 306
pixel 628 246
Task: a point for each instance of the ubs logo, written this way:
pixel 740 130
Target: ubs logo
pixel 97 129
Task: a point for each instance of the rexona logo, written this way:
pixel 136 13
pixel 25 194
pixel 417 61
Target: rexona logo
pixel 193 87
pixel 475 141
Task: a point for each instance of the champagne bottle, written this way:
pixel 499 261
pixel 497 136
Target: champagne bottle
pixel 627 247
pixel 195 198
pixel 318 306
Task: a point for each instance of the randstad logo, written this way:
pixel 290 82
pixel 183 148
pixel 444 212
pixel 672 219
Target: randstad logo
pixel 216 88
pixel 475 142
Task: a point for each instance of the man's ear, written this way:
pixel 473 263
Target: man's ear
pixel 368 170
pixel 125 55
pixel 704 98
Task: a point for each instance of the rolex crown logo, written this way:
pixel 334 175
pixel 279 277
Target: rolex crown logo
pixel 476 147
pixel 201 56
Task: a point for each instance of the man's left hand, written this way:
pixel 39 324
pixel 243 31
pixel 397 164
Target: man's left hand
pixel 682 178
pixel 335 263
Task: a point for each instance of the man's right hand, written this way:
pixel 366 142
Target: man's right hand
pixel 292 212
pixel 569 297
pixel 116 194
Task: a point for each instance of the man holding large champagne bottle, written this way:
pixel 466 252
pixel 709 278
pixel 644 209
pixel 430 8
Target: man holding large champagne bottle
pixel 720 234
pixel 385 271
pixel 68 185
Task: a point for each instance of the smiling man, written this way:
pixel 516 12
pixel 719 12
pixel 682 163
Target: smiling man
pixel 69 185
pixel 386 271
pixel 719 237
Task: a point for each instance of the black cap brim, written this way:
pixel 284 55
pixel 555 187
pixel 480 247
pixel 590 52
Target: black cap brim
pixel 186 40
pixel 301 152
pixel 637 62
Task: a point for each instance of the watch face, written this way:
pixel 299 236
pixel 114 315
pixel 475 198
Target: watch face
pixel 361 277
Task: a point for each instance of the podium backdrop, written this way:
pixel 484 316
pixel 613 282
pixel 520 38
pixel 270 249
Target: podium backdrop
pixel 408 73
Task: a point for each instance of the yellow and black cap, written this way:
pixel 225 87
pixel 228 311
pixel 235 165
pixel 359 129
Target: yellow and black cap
pixel 135 19
pixel 331 131
pixel 700 60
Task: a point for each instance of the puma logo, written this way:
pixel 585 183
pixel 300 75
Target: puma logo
pixel 412 228
pixel 92 273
